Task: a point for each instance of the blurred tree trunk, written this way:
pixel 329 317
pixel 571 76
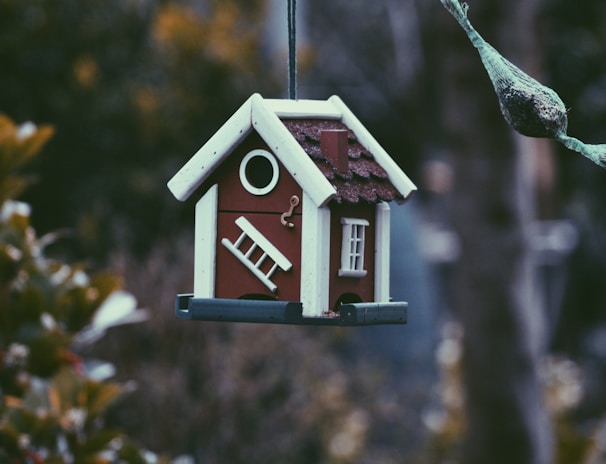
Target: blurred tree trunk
pixel 494 203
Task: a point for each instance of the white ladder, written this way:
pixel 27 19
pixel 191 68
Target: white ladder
pixel 261 242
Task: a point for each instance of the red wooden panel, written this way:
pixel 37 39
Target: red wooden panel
pixel 234 280
pixel 234 197
pixel 363 287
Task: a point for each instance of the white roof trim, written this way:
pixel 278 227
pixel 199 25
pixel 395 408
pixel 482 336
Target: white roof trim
pixel 314 109
pixel 396 176
pixel 212 153
pixel 290 153
pixel 264 116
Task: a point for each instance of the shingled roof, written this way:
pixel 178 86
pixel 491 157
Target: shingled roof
pixel 293 129
pixel 363 181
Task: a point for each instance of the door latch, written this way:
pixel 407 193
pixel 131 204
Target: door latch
pixel 294 202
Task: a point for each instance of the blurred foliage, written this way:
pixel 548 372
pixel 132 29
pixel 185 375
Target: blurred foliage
pixel 52 400
pixel 575 54
pixel 253 393
pixel 18 145
pixel 576 440
pixel 133 89
pixel 445 420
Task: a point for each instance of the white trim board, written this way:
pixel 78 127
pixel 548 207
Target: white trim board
pixel 264 116
pixel 382 242
pixel 205 243
pixel 315 258
pixel 290 153
pixel 212 153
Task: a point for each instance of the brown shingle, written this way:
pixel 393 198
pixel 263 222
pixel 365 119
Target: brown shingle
pixel 364 181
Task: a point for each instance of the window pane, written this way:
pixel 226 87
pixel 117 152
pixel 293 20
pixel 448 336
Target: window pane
pixel 352 251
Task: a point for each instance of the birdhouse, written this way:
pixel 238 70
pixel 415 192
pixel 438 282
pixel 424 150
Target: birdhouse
pixel 292 218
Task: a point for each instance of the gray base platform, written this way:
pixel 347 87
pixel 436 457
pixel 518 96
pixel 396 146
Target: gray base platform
pixel 286 312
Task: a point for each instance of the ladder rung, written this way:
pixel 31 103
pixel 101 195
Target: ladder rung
pixel 238 254
pixel 250 250
pixel 260 260
pixel 240 240
pixel 267 248
pixel 272 270
pixel 263 243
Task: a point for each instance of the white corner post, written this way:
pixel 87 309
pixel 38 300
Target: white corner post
pixel 315 258
pixel 205 242
pixel 382 253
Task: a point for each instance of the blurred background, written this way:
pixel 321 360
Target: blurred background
pixel 501 254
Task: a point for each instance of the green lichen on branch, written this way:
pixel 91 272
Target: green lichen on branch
pixel 529 107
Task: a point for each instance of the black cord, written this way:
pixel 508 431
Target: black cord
pixel 292 50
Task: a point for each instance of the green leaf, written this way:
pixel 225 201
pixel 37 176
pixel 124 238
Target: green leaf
pixel 100 396
pixel 99 441
pixel 49 352
pixel 9 439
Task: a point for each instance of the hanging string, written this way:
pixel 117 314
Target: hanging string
pixel 292 50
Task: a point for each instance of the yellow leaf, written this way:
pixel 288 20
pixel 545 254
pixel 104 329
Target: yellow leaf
pixel 12 401
pixel 31 145
pixel 179 27
pixel 86 71
pixel 101 396
pixel 64 390
pixel 54 400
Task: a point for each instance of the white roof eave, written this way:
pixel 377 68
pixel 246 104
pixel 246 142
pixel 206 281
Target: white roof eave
pixel 212 153
pixel 264 115
pixel 312 109
pixel 291 154
pixel 395 174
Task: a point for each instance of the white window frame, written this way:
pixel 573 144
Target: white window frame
pixel 353 247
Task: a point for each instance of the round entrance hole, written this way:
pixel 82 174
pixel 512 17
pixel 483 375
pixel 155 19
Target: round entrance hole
pixel 259 172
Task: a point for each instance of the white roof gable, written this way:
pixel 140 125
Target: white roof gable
pixel 263 115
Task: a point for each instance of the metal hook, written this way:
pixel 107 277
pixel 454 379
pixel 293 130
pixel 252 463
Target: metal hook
pixel 294 202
